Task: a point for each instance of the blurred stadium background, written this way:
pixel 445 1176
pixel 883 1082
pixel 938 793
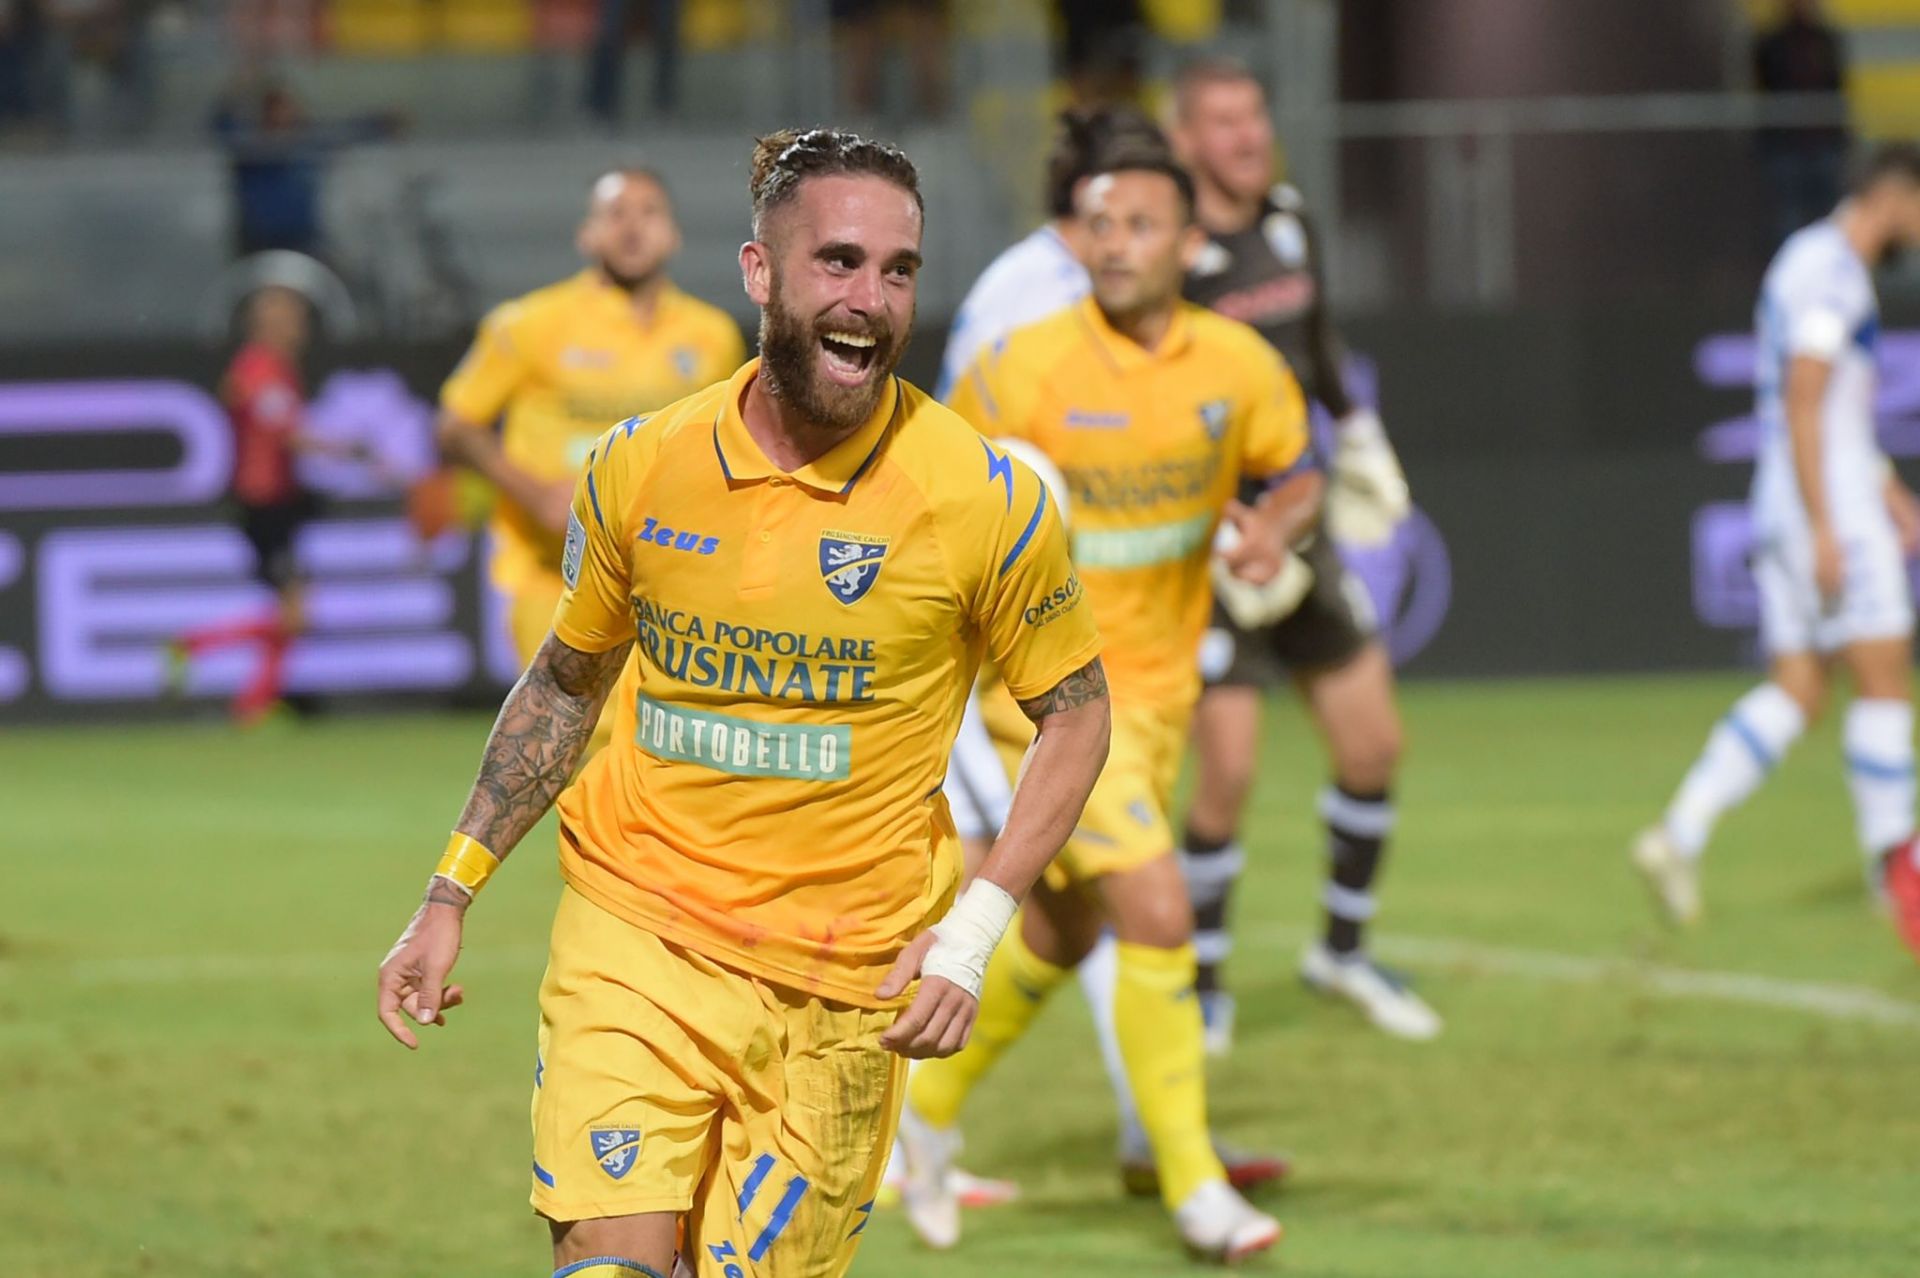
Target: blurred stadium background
pixel 1545 224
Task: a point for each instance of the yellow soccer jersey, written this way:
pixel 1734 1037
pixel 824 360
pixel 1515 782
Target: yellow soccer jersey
pixel 1153 446
pixel 562 362
pixel 804 647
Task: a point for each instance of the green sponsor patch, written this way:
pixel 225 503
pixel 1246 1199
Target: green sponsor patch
pixel 1138 547
pixel 725 743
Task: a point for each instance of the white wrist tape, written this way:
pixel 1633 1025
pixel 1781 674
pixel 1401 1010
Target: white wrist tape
pixel 1363 424
pixel 968 935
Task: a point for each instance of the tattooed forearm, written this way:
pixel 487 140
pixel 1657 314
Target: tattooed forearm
pixel 441 892
pixel 1088 683
pixel 537 741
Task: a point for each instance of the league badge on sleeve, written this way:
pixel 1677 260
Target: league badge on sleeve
pixel 574 550
pixel 850 563
pixel 616 1149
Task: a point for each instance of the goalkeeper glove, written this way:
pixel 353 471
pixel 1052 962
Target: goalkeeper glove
pixel 1254 606
pixel 1367 494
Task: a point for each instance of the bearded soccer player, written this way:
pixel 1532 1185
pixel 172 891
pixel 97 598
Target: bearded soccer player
pixel 1154 410
pixel 808 561
pixel 1833 529
pixel 555 366
pixel 1261 265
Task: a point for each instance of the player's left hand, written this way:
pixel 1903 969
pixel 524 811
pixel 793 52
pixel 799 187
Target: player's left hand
pixel 940 1017
pixel 1367 497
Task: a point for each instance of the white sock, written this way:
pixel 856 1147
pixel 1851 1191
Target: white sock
pixel 1099 973
pixel 1878 738
pixel 1741 750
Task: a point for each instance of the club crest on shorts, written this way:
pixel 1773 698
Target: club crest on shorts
pixel 615 1148
pixel 850 563
pixel 1213 418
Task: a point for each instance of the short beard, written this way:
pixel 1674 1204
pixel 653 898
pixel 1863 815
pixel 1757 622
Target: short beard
pixel 788 349
pixel 629 284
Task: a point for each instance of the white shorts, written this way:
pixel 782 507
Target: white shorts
pixel 976 786
pixel 1875 603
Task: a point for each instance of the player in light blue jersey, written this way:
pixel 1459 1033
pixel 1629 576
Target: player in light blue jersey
pixel 1833 528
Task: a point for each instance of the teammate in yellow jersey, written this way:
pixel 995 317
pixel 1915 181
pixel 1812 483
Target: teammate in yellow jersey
pixel 808 562
pixel 1154 410
pixel 555 366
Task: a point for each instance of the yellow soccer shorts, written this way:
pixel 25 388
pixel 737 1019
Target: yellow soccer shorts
pixel 669 1083
pixel 1125 824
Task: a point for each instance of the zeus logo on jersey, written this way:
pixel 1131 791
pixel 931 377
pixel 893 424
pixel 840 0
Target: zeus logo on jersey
pixel 850 563
pixel 615 1148
pixel 674 539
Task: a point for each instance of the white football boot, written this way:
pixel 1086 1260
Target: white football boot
pixel 929 1192
pixel 1381 994
pixel 1216 1223
pixel 1673 878
pixel 1216 1022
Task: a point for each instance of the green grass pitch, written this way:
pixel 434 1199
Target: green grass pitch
pixel 192 1081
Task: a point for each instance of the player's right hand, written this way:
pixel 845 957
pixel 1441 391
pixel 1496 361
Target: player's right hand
pixel 940 1018
pixel 1829 566
pixel 413 979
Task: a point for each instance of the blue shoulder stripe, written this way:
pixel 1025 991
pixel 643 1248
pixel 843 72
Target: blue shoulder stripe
pixel 1033 526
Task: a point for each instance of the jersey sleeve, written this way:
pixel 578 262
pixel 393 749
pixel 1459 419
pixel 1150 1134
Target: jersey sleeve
pixel 491 371
pixel 1825 311
pixel 1032 610
pixel 1276 432
pixel 594 614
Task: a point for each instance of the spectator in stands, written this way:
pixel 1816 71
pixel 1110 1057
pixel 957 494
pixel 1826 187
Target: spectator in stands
pixel 607 56
pixel 1805 168
pixel 23 54
pixel 860 44
pixel 279 160
pixel 1101 50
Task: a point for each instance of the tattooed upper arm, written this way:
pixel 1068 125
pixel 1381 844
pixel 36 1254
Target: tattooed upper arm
pixel 587 675
pixel 1088 683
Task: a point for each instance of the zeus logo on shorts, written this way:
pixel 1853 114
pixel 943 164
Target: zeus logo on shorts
pixel 615 1148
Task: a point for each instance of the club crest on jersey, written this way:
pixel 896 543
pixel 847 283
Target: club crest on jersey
pixel 615 1148
pixel 1213 418
pixel 1287 238
pixel 850 563
pixel 686 361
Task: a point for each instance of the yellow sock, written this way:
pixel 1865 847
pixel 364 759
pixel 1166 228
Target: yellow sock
pixel 1017 983
pixel 1157 1020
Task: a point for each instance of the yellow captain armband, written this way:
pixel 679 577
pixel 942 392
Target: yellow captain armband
pixel 467 862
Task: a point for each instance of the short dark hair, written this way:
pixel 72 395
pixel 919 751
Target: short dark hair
pixel 783 161
pixel 1159 159
pixel 631 172
pixel 1889 160
pixel 1209 70
pixel 1081 138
